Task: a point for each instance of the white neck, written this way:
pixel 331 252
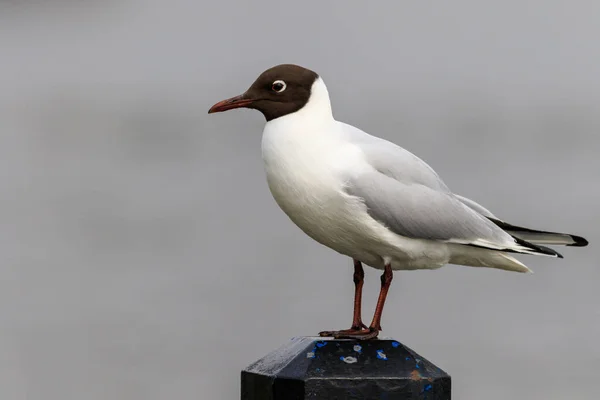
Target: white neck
pixel 316 111
pixel 318 105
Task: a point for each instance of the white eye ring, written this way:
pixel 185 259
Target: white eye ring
pixel 278 86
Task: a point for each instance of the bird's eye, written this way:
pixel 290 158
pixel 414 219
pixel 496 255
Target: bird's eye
pixel 278 86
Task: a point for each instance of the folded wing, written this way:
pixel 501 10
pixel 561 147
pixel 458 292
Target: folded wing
pixel 420 212
pixel 405 194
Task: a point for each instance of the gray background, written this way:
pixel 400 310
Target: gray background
pixel 142 256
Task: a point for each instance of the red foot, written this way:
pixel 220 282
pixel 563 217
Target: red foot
pixel 359 334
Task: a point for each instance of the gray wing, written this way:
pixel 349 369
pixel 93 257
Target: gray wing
pixel 405 194
pixel 408 196
pixel 416 211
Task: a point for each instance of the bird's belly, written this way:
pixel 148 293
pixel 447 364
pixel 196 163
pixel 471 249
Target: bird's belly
pixel 317 208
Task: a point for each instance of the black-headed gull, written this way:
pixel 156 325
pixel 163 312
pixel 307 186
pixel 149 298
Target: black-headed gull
pixel 368 198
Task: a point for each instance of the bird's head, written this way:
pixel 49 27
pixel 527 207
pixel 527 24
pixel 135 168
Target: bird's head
pixel 281 90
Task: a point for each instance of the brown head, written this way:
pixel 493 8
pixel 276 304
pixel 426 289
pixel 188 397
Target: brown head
pixel 281 90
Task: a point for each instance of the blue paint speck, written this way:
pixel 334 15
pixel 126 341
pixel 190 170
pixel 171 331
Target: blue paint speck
pixel 357 348
pixel 407 358
pixel 428 388
pixel 381 355
pixel 417 365
pixel 395 344
pixel 321 344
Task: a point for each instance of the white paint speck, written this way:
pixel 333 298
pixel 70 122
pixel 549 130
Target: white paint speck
pixel 349 360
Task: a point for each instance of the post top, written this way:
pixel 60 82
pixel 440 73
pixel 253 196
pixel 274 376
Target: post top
pixel 316 357
pixel 327 367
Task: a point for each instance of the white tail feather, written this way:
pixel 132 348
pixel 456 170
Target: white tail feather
pixel 480 257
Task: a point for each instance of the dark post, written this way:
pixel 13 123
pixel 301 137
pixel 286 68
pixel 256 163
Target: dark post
pixel 313 368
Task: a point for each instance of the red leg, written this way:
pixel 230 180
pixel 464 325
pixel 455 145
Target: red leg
pixel 359 280
pixel 386 281
pixel 373 330
pixel 357 324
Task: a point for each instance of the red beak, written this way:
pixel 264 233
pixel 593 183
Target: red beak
pixel 229 104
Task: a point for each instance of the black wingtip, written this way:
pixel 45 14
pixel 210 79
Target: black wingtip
pixel 579 241
pixel 540 249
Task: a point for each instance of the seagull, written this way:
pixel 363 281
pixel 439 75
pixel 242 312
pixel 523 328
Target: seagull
pixel 370 199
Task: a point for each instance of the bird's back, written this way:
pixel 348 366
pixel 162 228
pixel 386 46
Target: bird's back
pixel 393 160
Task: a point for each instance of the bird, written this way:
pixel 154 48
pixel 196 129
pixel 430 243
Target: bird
pixel 370 199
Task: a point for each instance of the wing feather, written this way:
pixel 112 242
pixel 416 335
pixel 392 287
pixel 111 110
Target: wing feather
pixel 405 194
pixel 418 211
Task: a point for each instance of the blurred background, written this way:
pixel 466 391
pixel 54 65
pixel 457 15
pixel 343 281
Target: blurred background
pixel 142 256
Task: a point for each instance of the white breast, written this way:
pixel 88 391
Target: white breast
pixel 302 173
